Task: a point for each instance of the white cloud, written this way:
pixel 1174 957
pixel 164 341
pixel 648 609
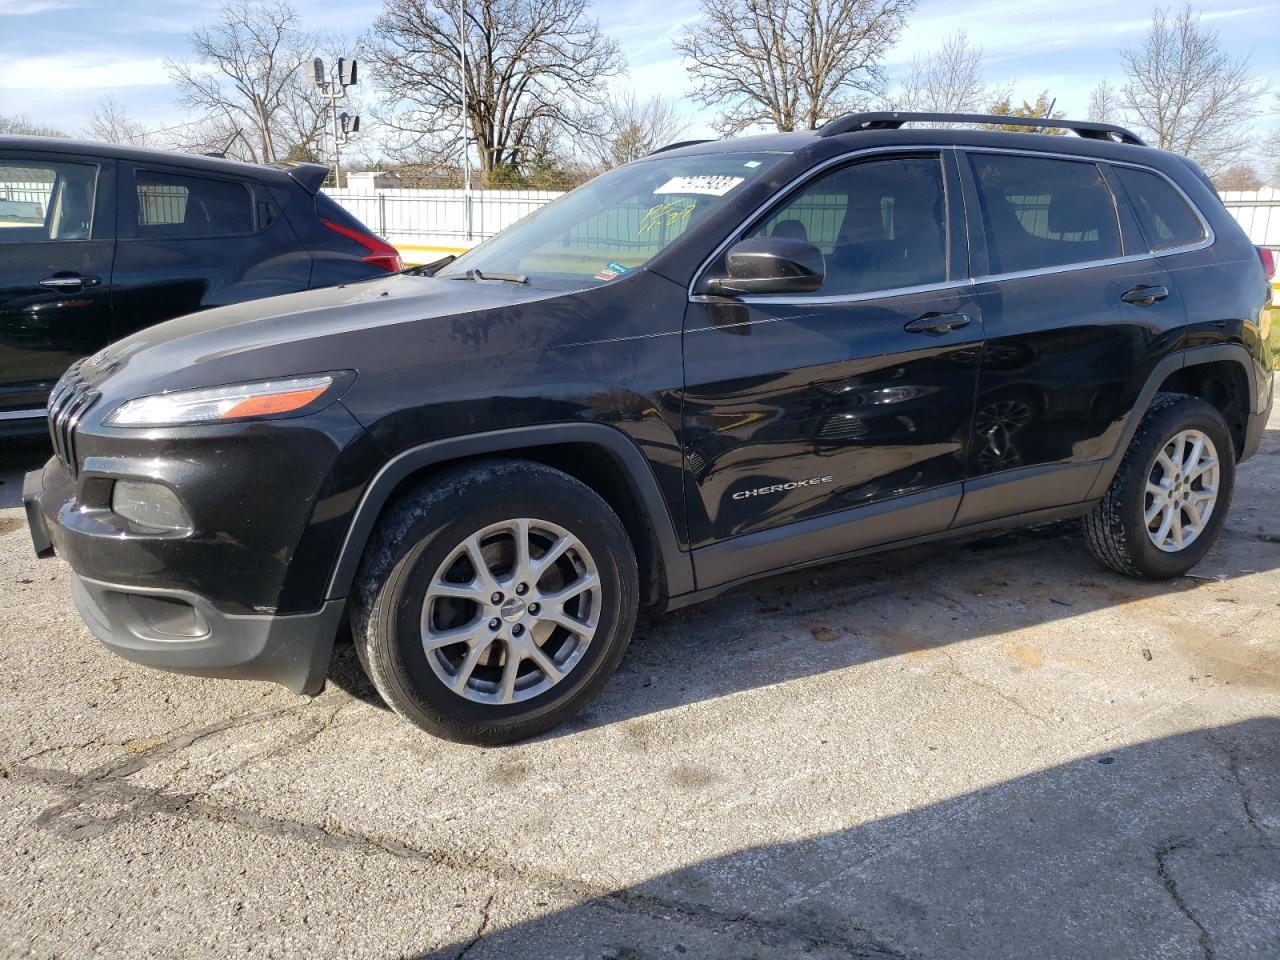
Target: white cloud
pixel 24 8
pixel 82 71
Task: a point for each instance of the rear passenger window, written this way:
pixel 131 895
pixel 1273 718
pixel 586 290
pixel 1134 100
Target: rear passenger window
pixel 176 207
pixel 881 224
pixel 46 201
pixel 1042 213
pixel 1166 219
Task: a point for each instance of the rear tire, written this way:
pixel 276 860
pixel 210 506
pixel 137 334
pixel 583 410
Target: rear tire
pixel 1169 498
pixel 494 601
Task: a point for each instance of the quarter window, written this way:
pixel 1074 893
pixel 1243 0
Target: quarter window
pixel 1166 219
pixel 1039 212
pixel 46 201
pixel 881 224
pixel 176 207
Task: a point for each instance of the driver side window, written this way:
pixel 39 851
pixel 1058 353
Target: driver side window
pixel 880 224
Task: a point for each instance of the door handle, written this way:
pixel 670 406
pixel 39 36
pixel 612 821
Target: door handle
pixel 76 282
pixel 1144 296
pixel 937 323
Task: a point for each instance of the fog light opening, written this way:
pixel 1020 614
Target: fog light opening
pixel 152 506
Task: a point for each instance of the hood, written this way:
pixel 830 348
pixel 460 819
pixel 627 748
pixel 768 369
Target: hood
pixel 316 331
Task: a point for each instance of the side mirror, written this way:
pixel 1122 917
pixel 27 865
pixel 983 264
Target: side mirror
pixel 770 265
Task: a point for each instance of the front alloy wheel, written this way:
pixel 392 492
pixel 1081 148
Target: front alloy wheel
pixel 511 611
pixel 494 600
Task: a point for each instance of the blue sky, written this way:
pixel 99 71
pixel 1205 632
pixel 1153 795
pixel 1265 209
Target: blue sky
pixel 61 56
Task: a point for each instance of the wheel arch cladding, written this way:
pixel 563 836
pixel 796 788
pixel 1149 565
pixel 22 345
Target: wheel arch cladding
pixel 600 456
pixel 1224 363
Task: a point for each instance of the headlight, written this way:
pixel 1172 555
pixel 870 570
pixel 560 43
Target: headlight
pixel 237 401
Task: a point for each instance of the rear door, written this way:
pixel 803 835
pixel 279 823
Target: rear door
pixel 56 247
pixel 1076 311
pixel 819 424
pixel 190 241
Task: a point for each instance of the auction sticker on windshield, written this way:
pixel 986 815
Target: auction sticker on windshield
pixel 707 185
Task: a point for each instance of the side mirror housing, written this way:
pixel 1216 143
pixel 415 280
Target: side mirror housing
pixel 770 265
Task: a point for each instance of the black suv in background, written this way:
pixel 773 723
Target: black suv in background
pixel 98 241
pixel 725 360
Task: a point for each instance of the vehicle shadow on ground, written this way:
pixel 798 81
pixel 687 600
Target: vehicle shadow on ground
pixel 1165 848
pixel 898 602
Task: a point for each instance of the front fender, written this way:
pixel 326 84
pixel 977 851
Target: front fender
pixel 677 565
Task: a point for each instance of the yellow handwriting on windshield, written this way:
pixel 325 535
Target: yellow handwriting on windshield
pixel 670 213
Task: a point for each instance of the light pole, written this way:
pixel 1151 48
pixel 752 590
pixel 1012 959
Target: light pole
pixel 334 88
pixel 466 138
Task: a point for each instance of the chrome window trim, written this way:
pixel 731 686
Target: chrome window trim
pixel 39 414
pixel 765 298
pixel 1207 240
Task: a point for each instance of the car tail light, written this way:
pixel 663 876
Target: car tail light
pixel 1268 258
pixel 381 253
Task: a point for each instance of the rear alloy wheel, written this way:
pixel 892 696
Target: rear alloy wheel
pixel 494 601
pixel 1170 495
pixel 1182 491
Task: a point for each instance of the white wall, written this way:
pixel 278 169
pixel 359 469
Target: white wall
pixel 1258 212
pixel 439 218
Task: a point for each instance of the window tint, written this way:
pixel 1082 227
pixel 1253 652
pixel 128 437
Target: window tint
pixel 1044 213
pixel 1166 219
pixel 880 224
pixel 46 201
pixel 174 207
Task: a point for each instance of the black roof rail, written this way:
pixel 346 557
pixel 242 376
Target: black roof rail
pixel 676 146
pixel 853 122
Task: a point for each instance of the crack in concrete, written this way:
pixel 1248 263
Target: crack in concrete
pixel 1242 789
pixel 484 925
pixel 763 931
pixel 1171 887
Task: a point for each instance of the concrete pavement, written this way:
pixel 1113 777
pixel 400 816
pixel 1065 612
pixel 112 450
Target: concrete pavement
pixel 986 749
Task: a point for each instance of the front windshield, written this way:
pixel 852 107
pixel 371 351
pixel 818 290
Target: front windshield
pixel 615 223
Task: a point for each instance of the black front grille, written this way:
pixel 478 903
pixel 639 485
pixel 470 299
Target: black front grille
pixel 67 404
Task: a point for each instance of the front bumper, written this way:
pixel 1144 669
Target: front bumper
pixel 184 633
pixel 144 597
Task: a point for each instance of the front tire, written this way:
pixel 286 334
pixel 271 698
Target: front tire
pixel 1169 499
pixel 494 601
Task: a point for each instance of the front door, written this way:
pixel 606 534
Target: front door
pixel 816 425
pixel 57 241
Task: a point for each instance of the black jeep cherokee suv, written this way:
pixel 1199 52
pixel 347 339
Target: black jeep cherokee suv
pixel 725 360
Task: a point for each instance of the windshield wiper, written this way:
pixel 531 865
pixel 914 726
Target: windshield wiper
pixel 474 274
pixel 427 269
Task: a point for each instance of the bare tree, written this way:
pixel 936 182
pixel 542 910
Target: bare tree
pixel 634 128
pixel 19 125
pixel 1188 93
pixel 1104 103
pixel 531 66
pixel 252 74
pixel 949 81
pixel 790 64
pixel 1239 176
pixel 111 123
pixel 1271 149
